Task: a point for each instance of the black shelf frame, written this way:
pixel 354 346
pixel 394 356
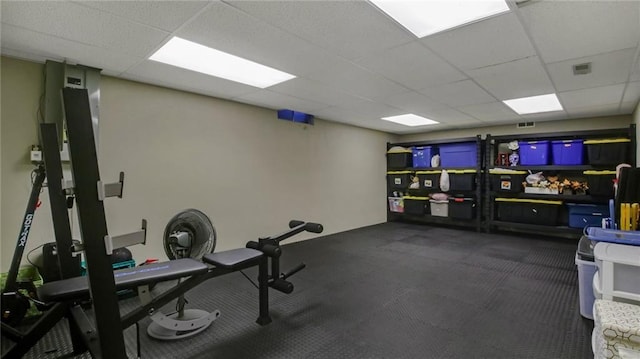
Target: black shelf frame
pixel 478 193
pixel 489 207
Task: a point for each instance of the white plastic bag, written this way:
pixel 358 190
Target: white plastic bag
pixel 444 181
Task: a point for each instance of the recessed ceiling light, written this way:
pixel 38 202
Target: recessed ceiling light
pixel 193 56
pixel 534 104
pixel 428 17
pixel 410 120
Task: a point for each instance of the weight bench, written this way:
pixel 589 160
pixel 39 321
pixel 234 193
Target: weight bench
pixel 129 278
pixel 265 254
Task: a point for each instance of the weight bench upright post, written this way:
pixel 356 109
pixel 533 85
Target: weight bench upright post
pixel 93 226
pixel 60 216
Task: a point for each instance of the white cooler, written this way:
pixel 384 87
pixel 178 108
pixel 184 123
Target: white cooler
pixel 618 276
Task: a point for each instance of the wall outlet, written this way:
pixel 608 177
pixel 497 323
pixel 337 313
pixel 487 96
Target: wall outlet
pixel 35 155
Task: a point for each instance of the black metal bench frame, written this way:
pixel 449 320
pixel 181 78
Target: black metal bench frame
pixel 103 336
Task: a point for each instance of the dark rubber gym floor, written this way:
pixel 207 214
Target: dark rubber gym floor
pixel 392 291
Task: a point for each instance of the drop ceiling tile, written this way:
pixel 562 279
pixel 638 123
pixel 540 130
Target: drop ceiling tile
pixel 412 102
pixel 490 112
pixel 546 116
pixel 352 79
pixel 592 97
pixel 98 28
pixel 228 29
pixel 606 69
pixel 515 79
pixel 38 46
pixel 632 92
pixel 371 109
pixel 165 15
pixel 449 116
pixel 339 114
pixel 345 116
pixel 274 100
pixel 174 77
pixel 458 94
pixel 627 108
pixel 351 29
pixel 412 65
pixel 565 30
pixel 635 72
pixel 313 91
pixel 493 41
pixel 594 111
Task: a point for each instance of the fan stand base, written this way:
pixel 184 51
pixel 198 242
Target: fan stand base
pixel 170 327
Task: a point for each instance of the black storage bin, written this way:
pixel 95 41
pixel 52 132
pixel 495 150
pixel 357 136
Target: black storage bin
pixel 462 208
pixel 507 182
pixel 398 179
pixel 529 211
pixel 601 183
pixel 416 205
pixel 399 158
pixel 429 180
pixel 608 152
pixel 464 180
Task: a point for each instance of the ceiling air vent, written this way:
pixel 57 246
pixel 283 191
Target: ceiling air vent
pixel 526 124
pixel 582 69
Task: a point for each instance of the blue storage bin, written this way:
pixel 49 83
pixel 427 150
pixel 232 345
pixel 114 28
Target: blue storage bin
pixel 422 156
pixel 534 152
pixel 459 155
pixel 567 152
pixel 586 215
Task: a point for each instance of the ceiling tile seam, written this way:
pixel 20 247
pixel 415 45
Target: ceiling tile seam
pixel 477 84
pixel 225 2
pixel 498 64
pixel 170 36
pixel 65 39
pixel 519 16
pixel 85 5
pixel 593 55
pixel 422 43
pixel 238 98
pixel 634 64
pixel 323 84
pixel 392 20
pixel 320 46
pixel 353 62
pixel 479 119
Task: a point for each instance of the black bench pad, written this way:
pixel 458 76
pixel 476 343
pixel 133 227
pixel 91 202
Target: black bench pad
pixel 78 287
pixel 234 259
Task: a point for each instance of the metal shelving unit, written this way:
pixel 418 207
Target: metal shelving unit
pixel 490 212
pixel 476 193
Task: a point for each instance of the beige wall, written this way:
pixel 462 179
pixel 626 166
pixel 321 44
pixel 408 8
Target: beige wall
pixel 581 124
pixel 250 172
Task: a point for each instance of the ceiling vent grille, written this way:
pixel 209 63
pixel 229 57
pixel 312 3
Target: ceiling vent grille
pixel 526 124
pixel 582 69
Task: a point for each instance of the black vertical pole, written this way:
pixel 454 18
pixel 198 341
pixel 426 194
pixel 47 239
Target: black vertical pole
pixel 263 291
pixel 69 266
pixel 93 225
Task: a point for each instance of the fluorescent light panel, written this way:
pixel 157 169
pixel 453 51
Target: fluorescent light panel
pixel 534 104
pixel 427 17
pixel 410 120
pixel 193 56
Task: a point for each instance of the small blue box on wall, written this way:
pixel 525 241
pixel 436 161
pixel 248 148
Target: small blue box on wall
pixel 295 116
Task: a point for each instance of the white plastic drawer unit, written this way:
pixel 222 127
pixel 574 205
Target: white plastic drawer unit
pixel 618 270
